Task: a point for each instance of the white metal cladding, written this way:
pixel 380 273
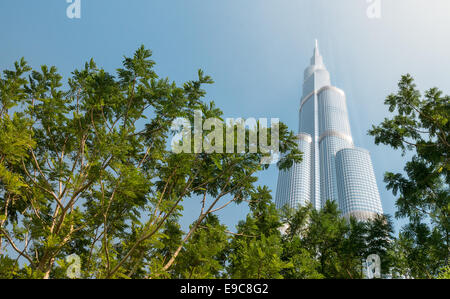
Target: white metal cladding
pixel 325 131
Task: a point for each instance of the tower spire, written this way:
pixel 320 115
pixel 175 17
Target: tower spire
pixel 317 58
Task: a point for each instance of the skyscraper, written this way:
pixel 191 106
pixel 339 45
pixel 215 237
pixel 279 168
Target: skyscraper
pixel 332 168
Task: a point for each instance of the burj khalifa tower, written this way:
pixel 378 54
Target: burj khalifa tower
pixel 332 167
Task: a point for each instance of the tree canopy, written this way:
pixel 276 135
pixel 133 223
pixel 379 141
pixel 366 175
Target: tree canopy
pixel 420 125
pixel 87 170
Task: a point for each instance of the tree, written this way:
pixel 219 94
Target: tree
pixel 324 244
pixel 305 243
pixel 420 125
pixel 255 251
pixel 326 240
pixel 87 170
pixel 380 236
pixel 203 257
pixel 445 273
pixel 304 263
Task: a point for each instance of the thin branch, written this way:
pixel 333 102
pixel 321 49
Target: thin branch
pixel 13 245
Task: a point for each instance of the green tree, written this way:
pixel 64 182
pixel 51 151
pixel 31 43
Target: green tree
pixel 418 252
pixel 420 125
pixel 324 244
pixel 379 239
pixel 326 240
pixel 304 263
pixel 445 273
pixel 203 257
pixel 255 251
pixel 88 170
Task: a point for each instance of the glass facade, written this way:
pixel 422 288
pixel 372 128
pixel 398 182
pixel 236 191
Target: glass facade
pixel 357 185
pixel 324 135
pixel 294 185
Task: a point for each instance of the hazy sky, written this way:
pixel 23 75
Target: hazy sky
pixel 256 51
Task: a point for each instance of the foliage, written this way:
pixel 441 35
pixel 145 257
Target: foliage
pixel 420 125
pixel 255 252
pixel 445 273
pixel 87 171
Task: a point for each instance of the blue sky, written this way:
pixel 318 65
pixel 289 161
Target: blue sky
pixel 256 51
